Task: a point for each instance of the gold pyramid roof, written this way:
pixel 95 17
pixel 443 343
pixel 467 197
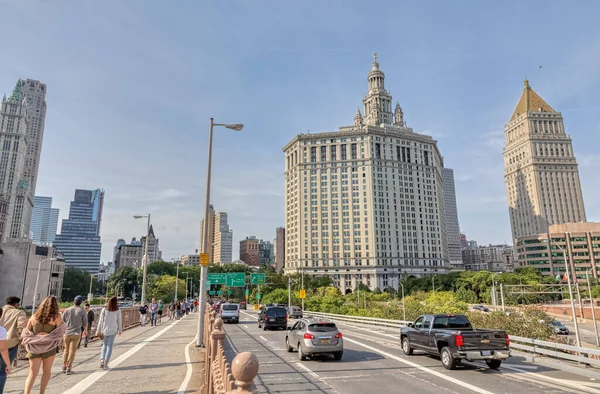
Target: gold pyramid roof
pixel 530 101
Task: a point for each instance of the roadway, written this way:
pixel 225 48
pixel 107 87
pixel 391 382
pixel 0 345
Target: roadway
pixel 373 359
pixel 144 360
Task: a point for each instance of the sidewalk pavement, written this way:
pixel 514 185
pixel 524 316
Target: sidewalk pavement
pixel 144 360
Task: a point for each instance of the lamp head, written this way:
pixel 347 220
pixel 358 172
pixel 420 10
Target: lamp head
pixel 137 216
pixel 235 126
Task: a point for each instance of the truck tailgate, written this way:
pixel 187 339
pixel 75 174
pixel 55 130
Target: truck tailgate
pixel 484 339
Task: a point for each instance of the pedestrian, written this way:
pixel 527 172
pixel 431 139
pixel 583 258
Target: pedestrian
pixel 143 312
pixel 74 318
pixel 109 326
pixel 153 312
pixel 187 307
pixel 161 306
pixel 90 319
pixel 196 305
pixel 178 310
pixel 4 358
pixel 42 336
pixel 14 321
pixel 171 310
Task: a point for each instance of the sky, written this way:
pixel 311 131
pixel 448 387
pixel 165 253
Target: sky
pixel 132 86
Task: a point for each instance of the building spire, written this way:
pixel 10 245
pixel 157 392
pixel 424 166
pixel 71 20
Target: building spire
pixel 17 93
pixel 358 119
pixel 375 64
pixel 398 115
pixel 378 102
pixel 530 101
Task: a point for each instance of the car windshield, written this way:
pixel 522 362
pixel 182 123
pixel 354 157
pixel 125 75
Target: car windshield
pixel 557 323
pixel 451 322
pixel 276 312
pixel 230 307
pixel 322 327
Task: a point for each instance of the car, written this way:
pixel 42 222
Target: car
pixel 453 338
pixel 295 312
pixel 559 328
pixel 315 337
pixel 481 308
pixel 272 317
pixel 243 305
pixel 230 312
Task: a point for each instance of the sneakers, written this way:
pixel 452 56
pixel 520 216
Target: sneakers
pixel 68 371
pixel 101 364
pixel 106 367
pixel 64 367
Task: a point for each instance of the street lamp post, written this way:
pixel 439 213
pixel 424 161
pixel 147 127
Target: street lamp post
pixel 592 306
pixel 403 302
pixel 204 246
pixel 90 295
pixel 177 277
pixel 145 258
pixel 571 296
pixel 37 281
pixel 494 293
pixel 187 278
pixel 433 282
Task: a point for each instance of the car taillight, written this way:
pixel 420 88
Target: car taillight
pixel 266 317
pixel 460 341
pixel 309 336
pixel 338 335
pixel 507 340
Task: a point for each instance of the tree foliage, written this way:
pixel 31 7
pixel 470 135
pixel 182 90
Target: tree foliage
pixel 76 282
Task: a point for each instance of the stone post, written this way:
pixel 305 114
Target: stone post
pixel 216 378
pixel 244 369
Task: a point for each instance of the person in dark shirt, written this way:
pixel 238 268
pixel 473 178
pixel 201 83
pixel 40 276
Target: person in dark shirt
pixel 143 314
pixel 90 320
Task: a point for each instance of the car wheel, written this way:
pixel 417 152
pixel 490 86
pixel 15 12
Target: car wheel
pixel 448 360
pixel 338 355
pixel 493 364
pixel 287 345
pixel 406 346
pixel 301 355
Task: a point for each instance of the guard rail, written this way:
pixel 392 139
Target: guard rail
pixel 551 349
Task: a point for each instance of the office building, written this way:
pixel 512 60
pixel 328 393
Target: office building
pixel 220 238
pixel 496 258
pixel 365 204
pixel 249 251
pixel 44 221
pixel 190 259
pixel 34 93
pixel 540 170
pixel 266 254
pixel 451 220
pixel 120 242
pixel 130 255
pixel 279 248
pixel 154 253
pixel 79 238
pixel 106 270
pixel 223 236
pixel 463 241
pixel 15 188
pixel 544 252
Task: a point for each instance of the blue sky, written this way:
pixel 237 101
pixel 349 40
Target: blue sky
pixel 132 85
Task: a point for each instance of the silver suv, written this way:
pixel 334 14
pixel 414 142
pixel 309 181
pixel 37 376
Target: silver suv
pixel 312 337
pixel 230 312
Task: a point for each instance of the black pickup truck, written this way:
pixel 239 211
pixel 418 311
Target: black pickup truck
pixel 454 339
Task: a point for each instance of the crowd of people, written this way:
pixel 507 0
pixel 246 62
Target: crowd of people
pixel 48 329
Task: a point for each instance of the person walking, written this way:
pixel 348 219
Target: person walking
pixel 74 318
pixel 41 338
pixel 143 313
pixel 178 310
pixel 187 307
pixel 5 363
pixel 14 321
pixel 153 312
pixel 109 326
pixel 161 306
pixel 171 310
pixel 90 319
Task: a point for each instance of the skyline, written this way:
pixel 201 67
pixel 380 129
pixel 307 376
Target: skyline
pixel 307 71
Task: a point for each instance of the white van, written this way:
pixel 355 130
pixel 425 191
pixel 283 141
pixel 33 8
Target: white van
pixel 230 312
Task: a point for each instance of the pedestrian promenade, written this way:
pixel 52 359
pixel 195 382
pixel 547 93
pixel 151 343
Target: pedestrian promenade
pixel 144 360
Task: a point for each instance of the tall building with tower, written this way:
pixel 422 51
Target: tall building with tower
pixel 35 94
pixel 451 220
pixel 540 170
pixel 44 221
pixel 220 238
pixel 79 238
pixel 279 248
pixel 365 204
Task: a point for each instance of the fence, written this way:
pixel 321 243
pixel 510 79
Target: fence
pixel 130 317
pixel 550 349
pixel 220 377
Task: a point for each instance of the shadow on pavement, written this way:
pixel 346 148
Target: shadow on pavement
pixel 350 356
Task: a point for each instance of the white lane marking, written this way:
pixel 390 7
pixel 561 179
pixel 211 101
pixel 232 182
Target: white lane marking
pixel 249 315
pixel 564 382
pixel 307 370
pixel 264 339
pixel 188 362
pixel 230 343
pixel 245 326
pixel 422 368
pixel 83 385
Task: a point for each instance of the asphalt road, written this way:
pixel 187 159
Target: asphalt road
pixel 373 359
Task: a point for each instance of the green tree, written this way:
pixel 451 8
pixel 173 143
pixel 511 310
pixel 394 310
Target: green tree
pixel 76 282
pixel 467 295
pixel 124 281
pixel 163 288
pixel 161 268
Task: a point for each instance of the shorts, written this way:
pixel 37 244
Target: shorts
pixel 43 356
pixel 160 313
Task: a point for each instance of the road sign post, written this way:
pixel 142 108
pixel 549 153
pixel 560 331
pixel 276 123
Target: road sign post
pixel 204 259
pixel 236 279
pixel 217 279
pixel 302 294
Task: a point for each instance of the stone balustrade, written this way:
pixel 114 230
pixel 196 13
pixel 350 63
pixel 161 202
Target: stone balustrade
pixel 221 377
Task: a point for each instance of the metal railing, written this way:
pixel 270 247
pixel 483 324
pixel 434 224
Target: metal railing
pixel 220 377
pixel 551 349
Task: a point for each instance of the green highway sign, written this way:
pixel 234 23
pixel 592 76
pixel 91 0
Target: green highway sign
pixel 258 296
pixel 257 279
pixel 219 292
pixel 217 279
pixel 247 292
pixel 236 279
pixel 229 292
pixel 212 293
